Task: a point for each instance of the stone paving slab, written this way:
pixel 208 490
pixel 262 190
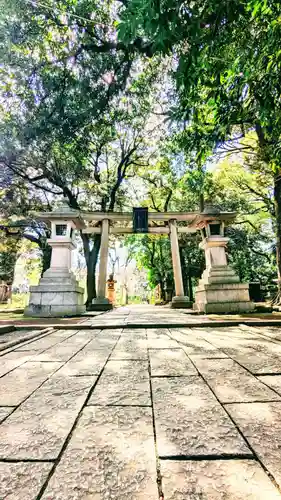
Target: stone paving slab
pixel 222 341
pixel 257 355
pixel 189 420
pixel 272 332
pixel 216 480
pixel 132 342
pixel 162 343
pixel 85 364
pixel 102 343
pixel 273 381
pixel 231 383
pixel 64 350
pixel 160 339
pixel 86 331
pixel 106 457
pixel 130 349
pixel 243 342
pixel 157 332
pixel 89 361
pixel 195 346
pixel 47 341
pixel 21 382
pixel 170 362
pixel 135 333
pixel 12 360
pixel 22 481
pixel 126 368
pixel 5 411
pixel 110 455
pixel 123 383
pixel 261 424
pixel 257 363
pixel 233 332
pixel 39 427
pixel 207 355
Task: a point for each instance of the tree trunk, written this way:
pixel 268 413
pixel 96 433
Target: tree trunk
pixel 277 201
pixel 91 257
pixel 162 290
pixel 46 257
pixel 190 288
pixel 201 202
pixel 126 296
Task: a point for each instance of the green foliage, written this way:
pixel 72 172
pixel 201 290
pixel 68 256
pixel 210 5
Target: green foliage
pixel 62 67
pixel 226 67
pixel 81 96
pixel 153 254
pixel 74 106
pixel 252 256
pixel 9 248
pixel 251 251
pixel 226 70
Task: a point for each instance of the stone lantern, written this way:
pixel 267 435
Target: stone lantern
pixel 58 292
pixel 219 288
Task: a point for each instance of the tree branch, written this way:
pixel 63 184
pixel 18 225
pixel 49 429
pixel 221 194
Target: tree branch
pixel 168 199
pixel 154 204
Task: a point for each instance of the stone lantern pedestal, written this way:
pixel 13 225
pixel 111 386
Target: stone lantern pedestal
pixel 219 289
pixel 58 292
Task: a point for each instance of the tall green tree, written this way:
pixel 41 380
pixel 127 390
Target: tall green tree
pixel 75 104
pixel 18 201
pixel 96 175
pixel 226 69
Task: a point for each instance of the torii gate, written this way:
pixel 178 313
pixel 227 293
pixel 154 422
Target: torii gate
pixel 58 293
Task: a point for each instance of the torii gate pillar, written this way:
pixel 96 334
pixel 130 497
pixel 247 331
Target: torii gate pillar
pixel 179 301
pixel 101 303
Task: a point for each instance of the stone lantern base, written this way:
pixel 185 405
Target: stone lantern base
pixel 219 291
pixel 58 294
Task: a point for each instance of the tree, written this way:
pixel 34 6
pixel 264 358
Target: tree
pixel 154 255
pixel 236 188
pixel 92 177
pixel 9 248
pixel 226 73
pixel 62 66
pixel 17 202
pixel 72 96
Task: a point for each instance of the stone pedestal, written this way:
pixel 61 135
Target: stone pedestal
pixel 181 302
pixel 219 289
pixel 58 293
pixel 100 304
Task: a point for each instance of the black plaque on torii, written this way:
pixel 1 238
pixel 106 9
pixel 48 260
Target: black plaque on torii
pixel 140 220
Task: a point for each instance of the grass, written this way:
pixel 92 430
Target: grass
pixel 18 301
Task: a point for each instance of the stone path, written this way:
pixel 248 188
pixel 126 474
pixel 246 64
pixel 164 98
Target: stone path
pixel 142 413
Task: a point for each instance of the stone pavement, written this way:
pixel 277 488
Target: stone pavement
pixel 142 413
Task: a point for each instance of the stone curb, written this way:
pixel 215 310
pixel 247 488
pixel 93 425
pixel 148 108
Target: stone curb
pixel 207 324
pixel 24 339
pixel 7 329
